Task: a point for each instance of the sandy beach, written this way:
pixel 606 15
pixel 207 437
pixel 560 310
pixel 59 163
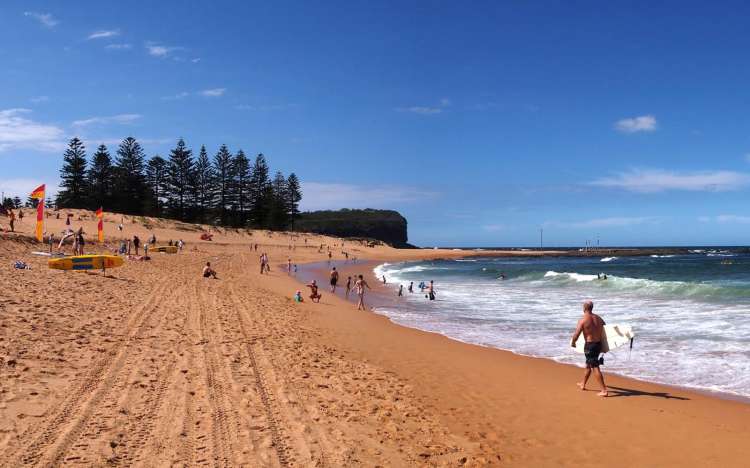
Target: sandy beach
pixel 154 365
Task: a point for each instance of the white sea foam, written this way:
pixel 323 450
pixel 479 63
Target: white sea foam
pixel 682 339
pixel 608 259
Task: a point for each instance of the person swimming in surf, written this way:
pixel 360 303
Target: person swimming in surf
pixel 592 328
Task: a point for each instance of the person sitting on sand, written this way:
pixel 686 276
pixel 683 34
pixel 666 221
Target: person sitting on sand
pixel 209 272
pixel 360 286
pixel 314 294
pixel 592 327
pixel 298 297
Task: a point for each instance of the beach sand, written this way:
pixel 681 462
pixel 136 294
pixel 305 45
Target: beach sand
pixel 154 365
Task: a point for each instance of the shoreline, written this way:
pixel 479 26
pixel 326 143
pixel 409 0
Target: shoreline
pixel 320 272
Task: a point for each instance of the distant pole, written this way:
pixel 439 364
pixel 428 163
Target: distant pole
pixel 541 238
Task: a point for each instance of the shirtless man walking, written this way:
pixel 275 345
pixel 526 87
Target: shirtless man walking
pixel 592 327
pixel 334 279
pixel 360 286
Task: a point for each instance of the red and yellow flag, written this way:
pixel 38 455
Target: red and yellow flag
pixel 38 193
pixel 100 226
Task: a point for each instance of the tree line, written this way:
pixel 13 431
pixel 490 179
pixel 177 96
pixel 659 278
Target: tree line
pixel 227 189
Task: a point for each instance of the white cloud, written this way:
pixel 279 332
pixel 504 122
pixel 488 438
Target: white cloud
pixel 214 92
pixel 38 99
pixel 19 132
pixel 427 110
pixel 118 46
pixel 268 107
pixel 729 219
pixel 22 187
pixel 161 51
pixel 113 142
pixel 643 123
pixel 422 110
pixel 113 119
pixel 321 196
pixel 494 227
pixel 196 60
pixel 651 181
pixel 46 19
pixel 603 222
pixel 103 34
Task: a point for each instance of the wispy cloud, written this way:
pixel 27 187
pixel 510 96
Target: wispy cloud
pixel 38 99
pixel 643 123
pixel 113 119
pixel 320 196
pixel 45 19
pixel 195 60
pixel 214 92
pixel 264 108
pixel 655 180
pixel 22 187
pixel 494 227
pixel 142 141
pixel 422 110
pixel 426 110
pixel 725 219
pixel 603 222
pixel 19 132
pixel 104 33
pixel 118 46
pixel 161 51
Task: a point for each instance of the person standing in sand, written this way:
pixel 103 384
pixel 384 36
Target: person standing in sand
pixel 360 286
pixel 334 279
pixel 348 286
pixel 592 327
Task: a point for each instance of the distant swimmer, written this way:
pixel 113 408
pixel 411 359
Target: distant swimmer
pixel 411 287
pixel 431 290
pixel 209 272
pixel 360 286
pixel 502 276
pixel 592 327
pixel 348 286
pixel 334 279
pixel 314 294
pixel 384 282
pixel 400 290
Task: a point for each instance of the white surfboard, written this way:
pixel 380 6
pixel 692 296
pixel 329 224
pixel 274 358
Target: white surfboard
pixel 614 337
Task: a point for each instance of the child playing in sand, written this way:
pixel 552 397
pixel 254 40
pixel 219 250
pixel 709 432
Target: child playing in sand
pixel 209 272
pixel 298 297
pixel 314 294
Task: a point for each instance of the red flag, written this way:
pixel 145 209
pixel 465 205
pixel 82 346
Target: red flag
pixel 100 226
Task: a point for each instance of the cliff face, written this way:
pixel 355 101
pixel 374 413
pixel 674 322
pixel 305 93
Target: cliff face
pixel 384 225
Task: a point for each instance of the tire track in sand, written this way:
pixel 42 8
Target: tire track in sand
pixel 57 432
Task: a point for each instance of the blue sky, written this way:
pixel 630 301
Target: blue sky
pixel 480 122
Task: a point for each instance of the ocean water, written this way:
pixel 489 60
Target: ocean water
pixel 691 313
